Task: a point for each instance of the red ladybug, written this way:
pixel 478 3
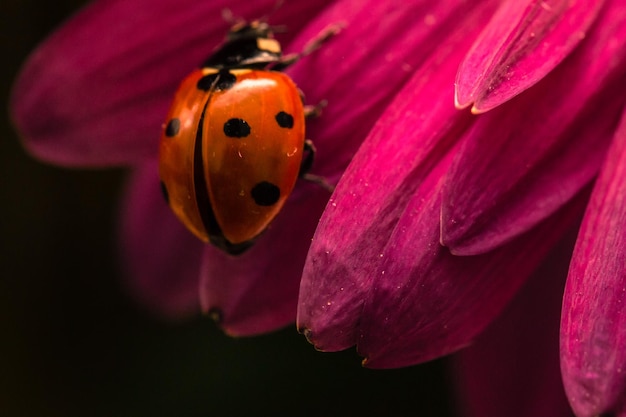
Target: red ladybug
pixel 234 142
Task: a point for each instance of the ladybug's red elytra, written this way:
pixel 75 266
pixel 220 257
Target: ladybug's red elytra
pixel 234 142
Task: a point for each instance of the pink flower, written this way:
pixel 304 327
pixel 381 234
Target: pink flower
pixel 441 213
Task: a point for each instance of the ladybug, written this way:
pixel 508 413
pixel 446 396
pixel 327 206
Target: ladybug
pixel 233 144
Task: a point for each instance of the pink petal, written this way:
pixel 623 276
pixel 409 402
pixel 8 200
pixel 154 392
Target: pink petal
pixel 412 135
pixel 96 92
pixel 512 369
pixel 360 71
pixel 593 328
pixel 256 292
pixel 426 302
pixel 524 42
pixel 524 160
pixel 161 258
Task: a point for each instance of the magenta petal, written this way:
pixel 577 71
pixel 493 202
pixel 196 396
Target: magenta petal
pixel 524 160
pixel 97 91
pixel 415 131
pixel 426 302
pixel 593 328
pixel 256 292
pixel 524 41
pixel 512 369
pixel 362 68
pixel 162 258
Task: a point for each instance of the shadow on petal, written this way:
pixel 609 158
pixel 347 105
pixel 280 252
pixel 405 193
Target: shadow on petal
pixel 161 258
pixel 257 291
pixel 512 369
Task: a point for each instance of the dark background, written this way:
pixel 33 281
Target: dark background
pixel 72 343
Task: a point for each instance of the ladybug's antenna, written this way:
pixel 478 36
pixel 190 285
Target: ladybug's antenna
pixel 277 5
pixel 230 18
pixel 275 28
pixel 238 23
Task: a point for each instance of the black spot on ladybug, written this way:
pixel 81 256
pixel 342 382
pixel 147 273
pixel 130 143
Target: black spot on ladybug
pixel 265 193
pixel 166 195
pixel 236 128
pixel 222 80
pixel 284 120
pixel 172 128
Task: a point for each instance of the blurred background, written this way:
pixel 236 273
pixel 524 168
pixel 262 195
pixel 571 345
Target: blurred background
pixel 73 343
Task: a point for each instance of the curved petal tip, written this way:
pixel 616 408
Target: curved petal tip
pixel 522 44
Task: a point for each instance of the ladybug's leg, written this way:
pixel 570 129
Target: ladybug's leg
pixel 309 157
pixel 314 110
pixel 307 163
pixel 311 46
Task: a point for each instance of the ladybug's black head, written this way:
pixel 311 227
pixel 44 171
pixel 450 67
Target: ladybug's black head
pixel 248 45
pixel 249 30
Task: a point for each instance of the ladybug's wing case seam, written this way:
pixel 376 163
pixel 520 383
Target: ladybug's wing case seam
pixel 177 159
pixel 203 200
